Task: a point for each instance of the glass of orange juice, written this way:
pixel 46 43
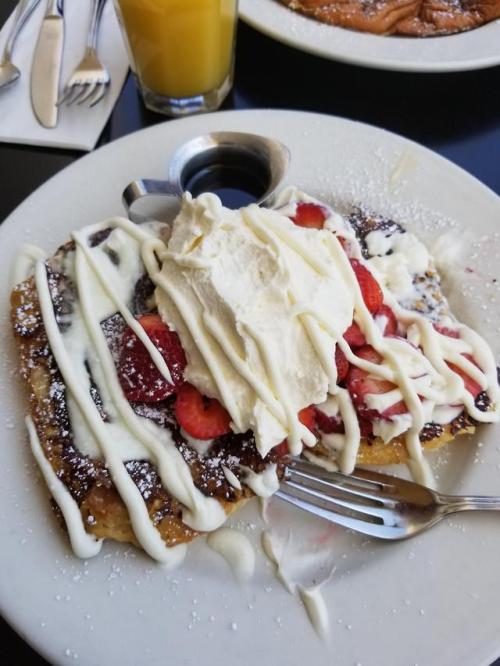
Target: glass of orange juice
pixel 181 51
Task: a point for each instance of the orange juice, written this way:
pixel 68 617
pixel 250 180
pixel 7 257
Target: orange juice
pixel 180 48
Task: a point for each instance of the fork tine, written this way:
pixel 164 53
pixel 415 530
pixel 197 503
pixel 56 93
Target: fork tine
pixel 386 515
pixel 343 486
pixel 81 89
pixel 90 89
pixel 376 482
pixel 64 95
pixel 101 90
pixel 372 529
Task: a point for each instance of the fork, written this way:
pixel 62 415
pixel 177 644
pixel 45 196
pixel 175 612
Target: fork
pixel 376 504
pixel 8 71
pixel 90 80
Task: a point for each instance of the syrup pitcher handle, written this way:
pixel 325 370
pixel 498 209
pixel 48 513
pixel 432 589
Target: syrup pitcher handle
pixel 147 187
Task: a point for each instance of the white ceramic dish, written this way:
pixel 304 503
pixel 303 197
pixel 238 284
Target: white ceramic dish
pixel 475 49
pixel 432 600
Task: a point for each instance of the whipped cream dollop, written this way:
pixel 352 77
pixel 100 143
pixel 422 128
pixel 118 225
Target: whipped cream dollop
pixel 238 287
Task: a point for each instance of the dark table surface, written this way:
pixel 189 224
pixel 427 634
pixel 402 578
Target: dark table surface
pixel 457 115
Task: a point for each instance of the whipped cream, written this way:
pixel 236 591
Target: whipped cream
pixel 234 285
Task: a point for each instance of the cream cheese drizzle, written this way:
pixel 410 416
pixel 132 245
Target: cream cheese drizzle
pixel 311 597
pixel 84 545
pixel 236 549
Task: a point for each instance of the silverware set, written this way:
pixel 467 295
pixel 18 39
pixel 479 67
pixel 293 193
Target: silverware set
pixel 88 83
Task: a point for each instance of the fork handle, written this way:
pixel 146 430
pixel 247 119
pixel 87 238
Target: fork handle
pixel 24 10
pixel 452 504
pixel 95 21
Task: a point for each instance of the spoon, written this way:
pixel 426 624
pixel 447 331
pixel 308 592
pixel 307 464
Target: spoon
pixel 8 71
pixel 240 168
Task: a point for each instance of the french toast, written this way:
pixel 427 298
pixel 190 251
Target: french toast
pixel 89 323
pixel 412 18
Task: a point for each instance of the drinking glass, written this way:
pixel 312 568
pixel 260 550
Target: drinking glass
pixel 181 51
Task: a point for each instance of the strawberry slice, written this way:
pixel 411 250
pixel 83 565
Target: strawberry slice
pixel 200 417
pixel 368 353
pixel 342 364
pixel 370 289
pixel 391 325
pixel 354 336
pixel 310 215
pixel 139 377
pixel 470 384
pixel 444 330
pixel 307 417
pixel 328 424
pixel 360 383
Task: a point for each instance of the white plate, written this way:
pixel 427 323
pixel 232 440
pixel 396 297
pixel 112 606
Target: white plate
pixel 432 601
pixel 474 49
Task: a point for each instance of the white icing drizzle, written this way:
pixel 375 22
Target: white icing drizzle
pixel 264 484
pixel 236 549
pixel 316 608
pixel 311 597
pixel 24 263
pixel 84 545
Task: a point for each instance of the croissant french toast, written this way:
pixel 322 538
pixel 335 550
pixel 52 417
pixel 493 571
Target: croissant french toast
pixel 172 373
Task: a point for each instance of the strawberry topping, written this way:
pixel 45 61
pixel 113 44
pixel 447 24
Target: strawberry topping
pixel 370 289
pixel 444 330
pixel 328 424
pixel 354 336
pixel 310 215
pixel 139 377
pixel 360 383
pixel 200 417
pixel 307 417
pixel 391 326
pixel 470 384
pixel 342 364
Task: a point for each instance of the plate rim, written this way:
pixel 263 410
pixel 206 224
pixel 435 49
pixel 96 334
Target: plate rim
pixel 387 64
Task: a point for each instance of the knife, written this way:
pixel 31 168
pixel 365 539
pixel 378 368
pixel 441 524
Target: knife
pixel 46 67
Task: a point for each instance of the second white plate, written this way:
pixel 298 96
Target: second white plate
pixel 475 49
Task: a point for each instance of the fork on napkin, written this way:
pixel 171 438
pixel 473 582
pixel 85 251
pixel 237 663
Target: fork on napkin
pixel 78 127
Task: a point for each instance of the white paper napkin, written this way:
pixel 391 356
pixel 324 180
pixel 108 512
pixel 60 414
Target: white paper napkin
pixel 78 126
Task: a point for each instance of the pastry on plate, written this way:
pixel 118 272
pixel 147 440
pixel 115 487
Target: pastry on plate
pixel 415 18
pixel 172 370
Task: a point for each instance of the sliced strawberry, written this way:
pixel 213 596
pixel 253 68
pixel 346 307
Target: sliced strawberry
pixel 391 325
pixel 328 424
pixel 444 330
pixel 360 383
pixel 200 417
pixel 307 417
pixel 365 427
pixel 342 364
pixel 281 450
pixel 354 336
pixel 370 289
pixel 310 215
pixel 470 384
pixel 368 353
pixel 139 377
